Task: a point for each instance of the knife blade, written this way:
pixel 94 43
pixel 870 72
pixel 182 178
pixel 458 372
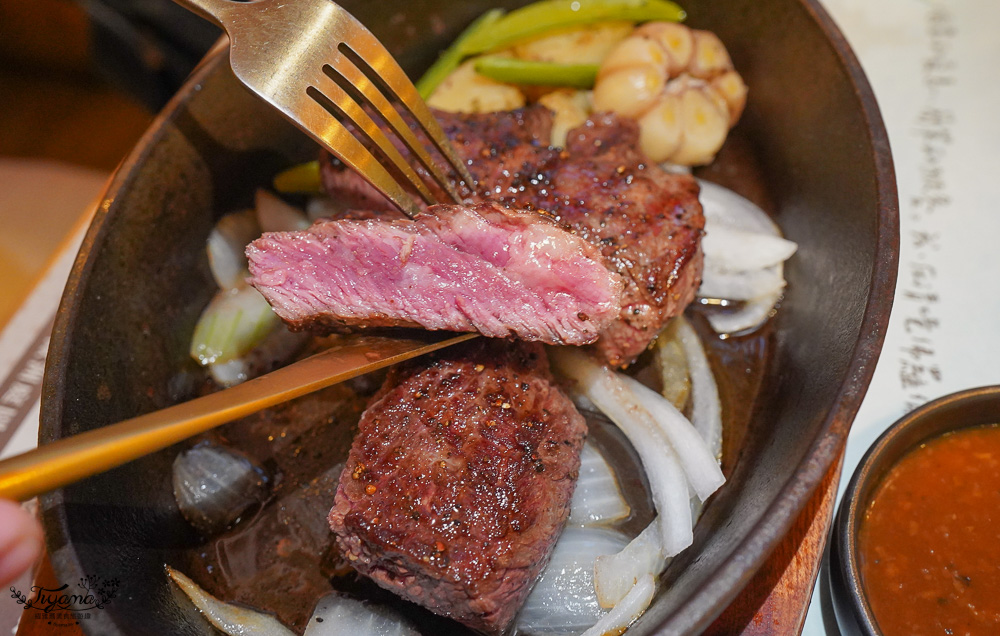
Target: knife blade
pixel 73 458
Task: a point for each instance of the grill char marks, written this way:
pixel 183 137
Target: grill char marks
pixel 459 481
pixel 480 268
pixel 646 222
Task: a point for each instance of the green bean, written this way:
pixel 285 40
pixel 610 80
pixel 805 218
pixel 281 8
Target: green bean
pixel 539 17
pixel 514 71
pixel 449 60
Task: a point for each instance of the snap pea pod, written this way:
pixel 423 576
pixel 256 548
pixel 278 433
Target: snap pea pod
pixel 539 17
pixel 514 71
pixel 300 179
pixel 453 55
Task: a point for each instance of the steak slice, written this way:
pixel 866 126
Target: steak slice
pixel 459 480
pixel 646 222
pixel 480 268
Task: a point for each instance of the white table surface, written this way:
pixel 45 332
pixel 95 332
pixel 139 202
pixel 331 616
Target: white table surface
pixel 934 69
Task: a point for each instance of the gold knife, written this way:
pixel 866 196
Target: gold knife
pixel 73 458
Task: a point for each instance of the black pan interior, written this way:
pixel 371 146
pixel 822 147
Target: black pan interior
pixel 819 161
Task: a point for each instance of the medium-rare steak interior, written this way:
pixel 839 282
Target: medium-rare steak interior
pixel 459 480
pixel 482 268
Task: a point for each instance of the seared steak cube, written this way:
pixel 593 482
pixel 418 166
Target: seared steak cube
pixel 459 481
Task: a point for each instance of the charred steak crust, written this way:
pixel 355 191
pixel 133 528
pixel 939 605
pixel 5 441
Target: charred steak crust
pixel 459 481
pixel 646 222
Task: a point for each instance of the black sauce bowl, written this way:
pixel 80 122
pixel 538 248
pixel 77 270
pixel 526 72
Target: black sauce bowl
pixel 965 409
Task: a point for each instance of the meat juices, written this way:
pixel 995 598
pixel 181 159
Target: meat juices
pixel 481 268
pixel 459 481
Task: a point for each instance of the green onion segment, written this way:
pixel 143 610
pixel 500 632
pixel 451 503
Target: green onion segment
pixel 514 71
pixel 539 17
pixel 232 324
pixel 449 60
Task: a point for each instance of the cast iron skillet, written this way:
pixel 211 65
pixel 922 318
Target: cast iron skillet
pixel 811 147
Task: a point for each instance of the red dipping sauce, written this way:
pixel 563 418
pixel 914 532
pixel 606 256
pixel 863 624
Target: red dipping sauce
pixel 929 544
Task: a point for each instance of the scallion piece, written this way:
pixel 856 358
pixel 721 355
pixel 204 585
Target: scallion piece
pixel 232 324
pixel 539 17
pixel 453 55
pixel 514 71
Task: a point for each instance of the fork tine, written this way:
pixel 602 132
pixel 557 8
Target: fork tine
pixel 370 51
pixel 308 59
pixel 363 84
pixel 335 99
pixel 316 120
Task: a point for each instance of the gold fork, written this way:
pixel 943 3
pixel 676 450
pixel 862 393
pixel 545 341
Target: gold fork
pixel 317 64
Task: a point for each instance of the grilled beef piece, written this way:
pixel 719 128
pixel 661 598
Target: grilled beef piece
pixel 482 268
pixel 459 480
pixel 646 222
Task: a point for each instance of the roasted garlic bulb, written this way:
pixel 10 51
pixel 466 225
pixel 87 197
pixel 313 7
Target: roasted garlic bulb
pixel 679 83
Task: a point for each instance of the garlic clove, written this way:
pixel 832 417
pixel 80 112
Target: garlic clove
pixel 676 39
pixel 705 126
pixel 214 486
pixel 633 52
pixel 586 44
pixel 570 109
pixel 466 91
pixel 731 87
pixel 631 91
pixel 710 57
pixel 660 131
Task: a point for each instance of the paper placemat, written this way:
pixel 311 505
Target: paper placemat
pixel 24 342
pixel 932 65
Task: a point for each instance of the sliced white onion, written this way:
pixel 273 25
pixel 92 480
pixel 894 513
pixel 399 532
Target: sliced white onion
pixel 226 248
pixel 616 573
pixel 597 498
pixel 748 285
pixel 337 615
pixel 728 259
pixel 700 464
pixel 706 409
pixel 214 485
pixel 725 208
pixel 748 317
pixel 231 372
pixel 739 251
pixel 626 611
pixel 231 619
pixel 274 215
pixel 563 600
pixel 666 477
